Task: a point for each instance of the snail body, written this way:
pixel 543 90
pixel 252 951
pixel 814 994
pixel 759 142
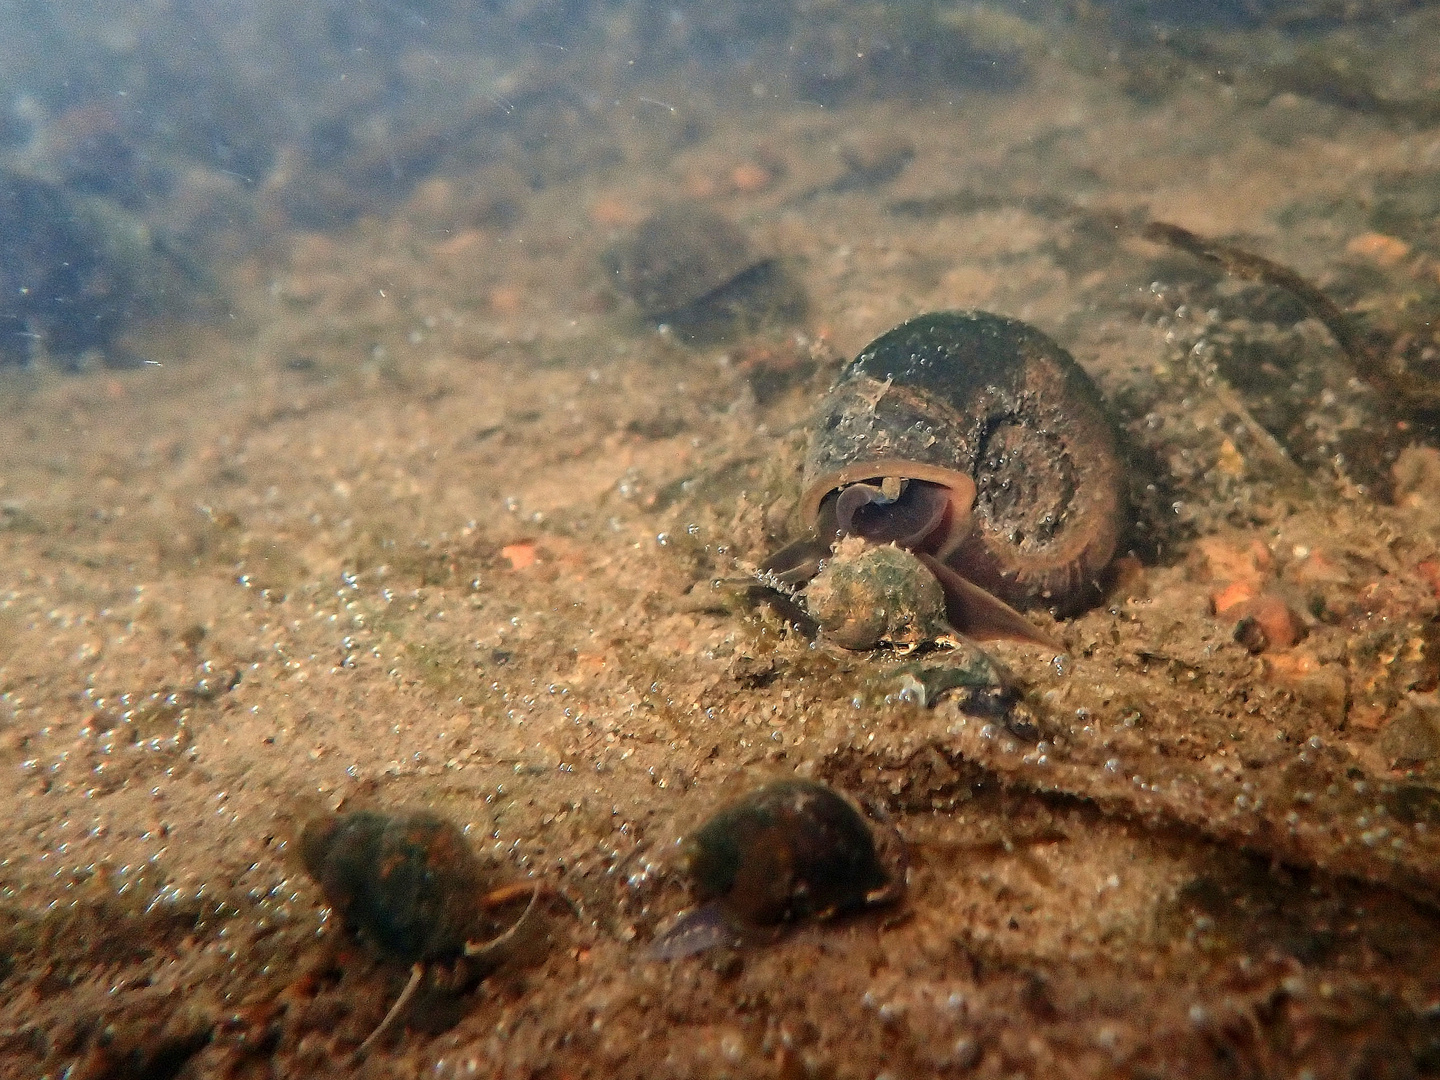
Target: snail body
pixel 979 444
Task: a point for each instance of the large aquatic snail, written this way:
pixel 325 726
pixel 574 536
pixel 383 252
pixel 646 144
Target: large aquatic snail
pixel 979 445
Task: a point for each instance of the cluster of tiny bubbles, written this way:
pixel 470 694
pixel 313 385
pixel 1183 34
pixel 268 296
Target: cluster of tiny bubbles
pixel 125 729
pixel 940 1010
pixel 630 485
pixel 644 870
pixel 1040 755
pixel 457 1068
pixel 911 692
pixel 991 732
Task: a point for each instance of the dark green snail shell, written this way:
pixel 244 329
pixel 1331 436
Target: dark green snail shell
pixel 407 885
pixel 677 257
pixel 788 850
pixel 997 400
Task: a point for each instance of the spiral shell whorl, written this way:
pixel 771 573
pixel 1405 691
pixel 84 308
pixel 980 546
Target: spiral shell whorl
pixel 999 401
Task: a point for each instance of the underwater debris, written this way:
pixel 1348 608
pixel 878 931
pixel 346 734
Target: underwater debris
pixel 1251 267
pixel 1397 361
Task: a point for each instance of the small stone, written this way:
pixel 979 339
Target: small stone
pixel 1232 597
pixel 1383 250
pixel 749 177
pixel 506 300
pixel 615 211
pixel 521 555
pixel 1266 622
pixel 1412 736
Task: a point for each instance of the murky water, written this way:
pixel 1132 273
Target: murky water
pixel 399 403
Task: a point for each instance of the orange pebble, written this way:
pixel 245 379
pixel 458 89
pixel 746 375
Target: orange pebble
pixel 613 211
pixel 589 665
pixel 1380 249
pixel 506 299
pixel 748 177
pixel 521 555
pixel 1232 597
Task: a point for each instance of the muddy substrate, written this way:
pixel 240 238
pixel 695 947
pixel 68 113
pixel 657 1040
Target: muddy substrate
pixel 437 524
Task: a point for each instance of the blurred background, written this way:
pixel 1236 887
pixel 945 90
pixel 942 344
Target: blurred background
pixel 145 147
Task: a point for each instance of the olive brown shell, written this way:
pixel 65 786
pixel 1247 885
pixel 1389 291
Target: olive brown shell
pixel 408 885
pixel 788 850
pixel 870 595
pixel 677 257
pixel 996 400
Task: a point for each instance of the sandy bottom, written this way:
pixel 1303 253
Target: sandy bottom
pixel 434 525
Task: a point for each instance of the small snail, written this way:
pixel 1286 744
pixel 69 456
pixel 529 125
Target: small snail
pixel 978 444
pixel 69 271
pixel 694 270
pixel 412 889
pixel 789 850
pixel 867 596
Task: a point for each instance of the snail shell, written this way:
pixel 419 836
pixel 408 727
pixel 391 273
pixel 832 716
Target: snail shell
pixel 411 887
pixel 677 257
pixel 978 443
pixel 871 595
pixel 788 850
pixel 408 885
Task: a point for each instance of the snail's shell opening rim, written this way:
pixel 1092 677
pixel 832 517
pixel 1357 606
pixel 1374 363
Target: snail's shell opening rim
pixel 962 485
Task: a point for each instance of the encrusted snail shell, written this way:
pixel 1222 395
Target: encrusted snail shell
pixel 1001 419
pixel 788 850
